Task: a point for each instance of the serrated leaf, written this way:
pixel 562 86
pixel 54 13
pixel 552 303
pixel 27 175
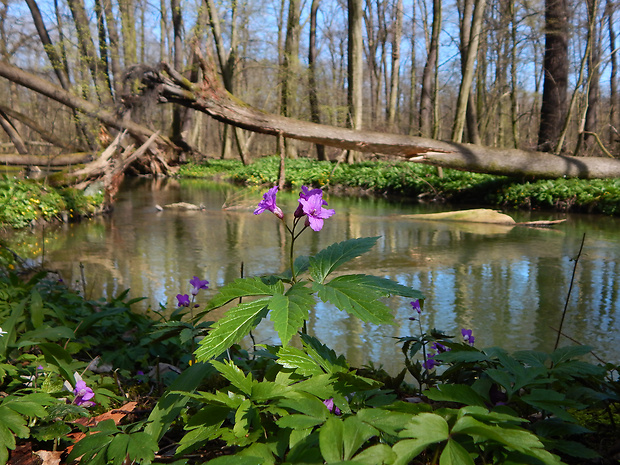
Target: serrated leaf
pixel 428 428
pixel 323 355
pixel 564 354
pixel 355 435
pixel 330 258
pixel 14 422
pixel 513 437
pixel 356 300
pixel 142 447
pixel 236 460
pixel 382 286
pixel 234 326
pixel 244 287
pixel 289 311
pixel 116 452
pixel 379 454
pixel 233 373
pixel 297 359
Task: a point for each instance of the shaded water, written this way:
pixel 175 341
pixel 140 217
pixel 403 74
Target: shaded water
pixel 508 284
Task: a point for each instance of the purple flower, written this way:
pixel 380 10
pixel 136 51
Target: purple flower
pixel 468 336
pixel 439 348
pixel 183 300
pixel 313 208
pixel 304 194
pixel 83 394
pixel 416 306
pixel 198 284
pixel 329 403
pixel 430 362
pixel 269 203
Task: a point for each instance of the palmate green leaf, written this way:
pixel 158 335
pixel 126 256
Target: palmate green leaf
pixel 233 327
pixel 330 258
pixel 460 393
pixel 244 287
pixel 289 311
pixel 323 355
pixel 355 299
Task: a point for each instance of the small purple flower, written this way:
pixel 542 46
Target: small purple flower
pixel 304 194
pixel 430 362
pixel 329 403
pixel 313 208
pixel 416 306
pixel 83 394
pixel 439 348
pixel 269 203
pixel 468 336
pixel 183 300
pixel 40 367
pixel 198 284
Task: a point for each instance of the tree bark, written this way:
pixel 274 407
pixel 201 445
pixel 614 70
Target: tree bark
pixel 426 97
pixel 395 77
pixel 355 70
pixel 211 98
pixel 555 66
pixel 315 113
pixel 13 133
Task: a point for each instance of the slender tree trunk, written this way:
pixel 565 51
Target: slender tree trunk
pixel 555 68
pixel 128 27
pixel 355 70
pixel 395 78
pixel 468 71
pixel 413 82
pixel 591 123
pixel 514 82
pixel 178 113
pixel 426 97
pixel 290 69
pixel 87 51
pixel 613 77
pixel 114 45
pixel 315 113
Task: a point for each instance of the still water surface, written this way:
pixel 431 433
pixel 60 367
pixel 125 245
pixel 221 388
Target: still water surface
pixel 508 284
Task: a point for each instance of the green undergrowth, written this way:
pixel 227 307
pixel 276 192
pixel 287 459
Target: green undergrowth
pixel 26 202
pixel 422 182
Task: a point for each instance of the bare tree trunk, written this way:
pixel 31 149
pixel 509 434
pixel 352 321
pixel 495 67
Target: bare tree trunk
pixel 514 102
pixel 395 78
pixel 426 97
pixel 88 53
pixel 315 113
pixel 594 76
pixel 412 76
pixel 555 66
pixel 114 49
pixel 468 70
pixel 355 70
pixel 290 69
pixel 128 28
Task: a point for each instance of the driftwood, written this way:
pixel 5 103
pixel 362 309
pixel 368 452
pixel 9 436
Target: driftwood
pixel 209 96
pixel 41 160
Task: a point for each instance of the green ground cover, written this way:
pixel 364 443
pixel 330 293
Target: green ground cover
pixel 172 386
pixel 421 182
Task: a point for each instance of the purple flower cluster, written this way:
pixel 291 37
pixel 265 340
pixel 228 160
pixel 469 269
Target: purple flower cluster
pixel 329 403
pixel 437 348
pixel 197 285
pixel 311 205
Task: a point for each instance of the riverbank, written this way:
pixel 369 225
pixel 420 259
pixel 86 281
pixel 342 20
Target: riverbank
pixel 421 183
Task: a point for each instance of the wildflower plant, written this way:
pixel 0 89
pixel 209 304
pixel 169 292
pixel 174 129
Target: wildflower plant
pixel 288 298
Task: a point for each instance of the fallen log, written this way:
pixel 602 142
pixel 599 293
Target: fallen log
pixel 210 97
pixel 480 215
pixel 66 159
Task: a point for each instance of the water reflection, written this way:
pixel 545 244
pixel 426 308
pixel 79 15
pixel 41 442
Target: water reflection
pixel 508 284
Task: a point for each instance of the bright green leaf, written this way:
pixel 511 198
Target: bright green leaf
pixel 455 454
pixel 288 312
pixel 455 393
pixel 297 359
pixel 330 258
pixel 244 287
pixel 331 440
pixel 233 373
pixel 231 328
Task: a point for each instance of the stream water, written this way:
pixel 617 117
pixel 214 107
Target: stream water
pixel 508 284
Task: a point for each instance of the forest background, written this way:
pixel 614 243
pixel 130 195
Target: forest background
pixel 502 73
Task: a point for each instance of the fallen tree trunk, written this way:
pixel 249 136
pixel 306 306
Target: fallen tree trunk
pixel 211 98
pixel 42 160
